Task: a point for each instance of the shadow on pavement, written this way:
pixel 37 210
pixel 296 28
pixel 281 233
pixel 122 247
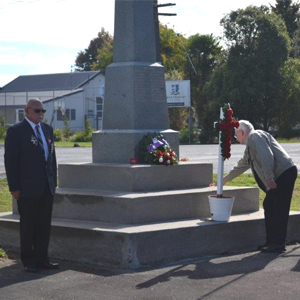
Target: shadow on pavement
pixel 218 267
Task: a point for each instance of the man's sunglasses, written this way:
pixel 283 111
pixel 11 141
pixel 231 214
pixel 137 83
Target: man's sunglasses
pixel 37 111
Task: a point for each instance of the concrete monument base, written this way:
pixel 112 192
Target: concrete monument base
pixel 144 245
pixel 148 215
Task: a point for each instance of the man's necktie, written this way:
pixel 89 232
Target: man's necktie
pixel 39 137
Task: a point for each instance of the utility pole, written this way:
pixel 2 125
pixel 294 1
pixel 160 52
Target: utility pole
pixel 156 25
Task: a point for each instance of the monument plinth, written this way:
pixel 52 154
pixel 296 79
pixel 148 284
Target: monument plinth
pixel 135 95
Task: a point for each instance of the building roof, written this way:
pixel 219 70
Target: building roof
pixel 65 95
pixel 48 82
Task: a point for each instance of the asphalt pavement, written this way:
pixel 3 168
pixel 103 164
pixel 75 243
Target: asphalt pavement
pixel 248 276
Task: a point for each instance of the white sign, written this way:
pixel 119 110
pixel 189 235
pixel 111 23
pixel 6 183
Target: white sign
pixel 178 93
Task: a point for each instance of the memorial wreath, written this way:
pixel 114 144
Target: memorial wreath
pixel 156 150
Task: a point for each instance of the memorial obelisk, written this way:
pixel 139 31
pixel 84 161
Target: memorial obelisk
pixel 135 94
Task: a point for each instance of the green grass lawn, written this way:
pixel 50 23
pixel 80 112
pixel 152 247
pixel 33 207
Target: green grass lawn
pixel 5 197
pixel 71 144
pixel 2 254
pixel 248 180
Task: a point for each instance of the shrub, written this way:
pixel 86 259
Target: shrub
pixel 3 128
pixel 81 136
pixel 184 135
pixel 67 129
pixel 58 135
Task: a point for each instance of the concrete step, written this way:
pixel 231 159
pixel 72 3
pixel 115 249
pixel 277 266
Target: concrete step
pixel 141 207
pixel 137 246
pixel 134 178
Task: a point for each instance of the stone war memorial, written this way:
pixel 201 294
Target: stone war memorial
pixel 113 213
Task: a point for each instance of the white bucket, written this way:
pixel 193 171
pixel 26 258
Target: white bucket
pixel 220 208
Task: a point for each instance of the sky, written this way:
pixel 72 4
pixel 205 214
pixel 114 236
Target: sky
pixel 45 36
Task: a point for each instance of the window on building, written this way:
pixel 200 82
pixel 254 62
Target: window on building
pixel 20 115
pixel 70 114
pixel 99 107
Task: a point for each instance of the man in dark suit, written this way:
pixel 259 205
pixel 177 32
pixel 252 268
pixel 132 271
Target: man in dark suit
pixel 31 172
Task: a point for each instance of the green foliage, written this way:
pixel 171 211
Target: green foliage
pixel 2 253
pixel 146 141
pixel 67 129
pixel 161 153
pixel 3 128
pixel 172 48
pixel 178 118
pixel 85 59
pixel 247 179
pixel 83 135
pixel 70 143
pixel 296 42
pixel 105 56
pixel 289 114
pixel 254 73
pixel 250 76
pixel 174 74
pixel 88 128
pixel 204 53
pixel 187 135
pixel 80 136
pixel 5 197
pixel 58 135
pixel 289 12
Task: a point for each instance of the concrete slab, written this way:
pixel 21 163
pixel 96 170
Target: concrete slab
pixel 142 207
pixel 139 177
pixel 136 246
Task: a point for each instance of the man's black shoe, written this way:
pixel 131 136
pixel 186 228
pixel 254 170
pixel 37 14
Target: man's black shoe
pixel 49 266
pixel 273 249
pixel 31 268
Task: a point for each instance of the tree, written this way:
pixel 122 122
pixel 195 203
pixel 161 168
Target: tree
pixel 85 59
pixel 104 57
pixel 172 47
pixel 204 52
pixel 258 48
pixel 289 114
pixel 172 52
pixel 289 12
pixel 296 43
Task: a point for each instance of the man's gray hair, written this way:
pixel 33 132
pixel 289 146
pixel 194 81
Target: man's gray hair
pixel 245 125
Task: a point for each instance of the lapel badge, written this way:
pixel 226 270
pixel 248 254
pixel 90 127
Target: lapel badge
pixel 34 140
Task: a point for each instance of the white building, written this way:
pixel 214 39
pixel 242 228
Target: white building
pixel 78 95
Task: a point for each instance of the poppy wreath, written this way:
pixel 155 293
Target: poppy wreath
pixel 156 150
pixel 226 126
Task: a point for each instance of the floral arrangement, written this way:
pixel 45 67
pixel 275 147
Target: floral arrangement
pixel 156 150
pixel 226 126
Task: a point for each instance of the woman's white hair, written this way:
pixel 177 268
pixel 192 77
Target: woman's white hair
pixel 245 125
